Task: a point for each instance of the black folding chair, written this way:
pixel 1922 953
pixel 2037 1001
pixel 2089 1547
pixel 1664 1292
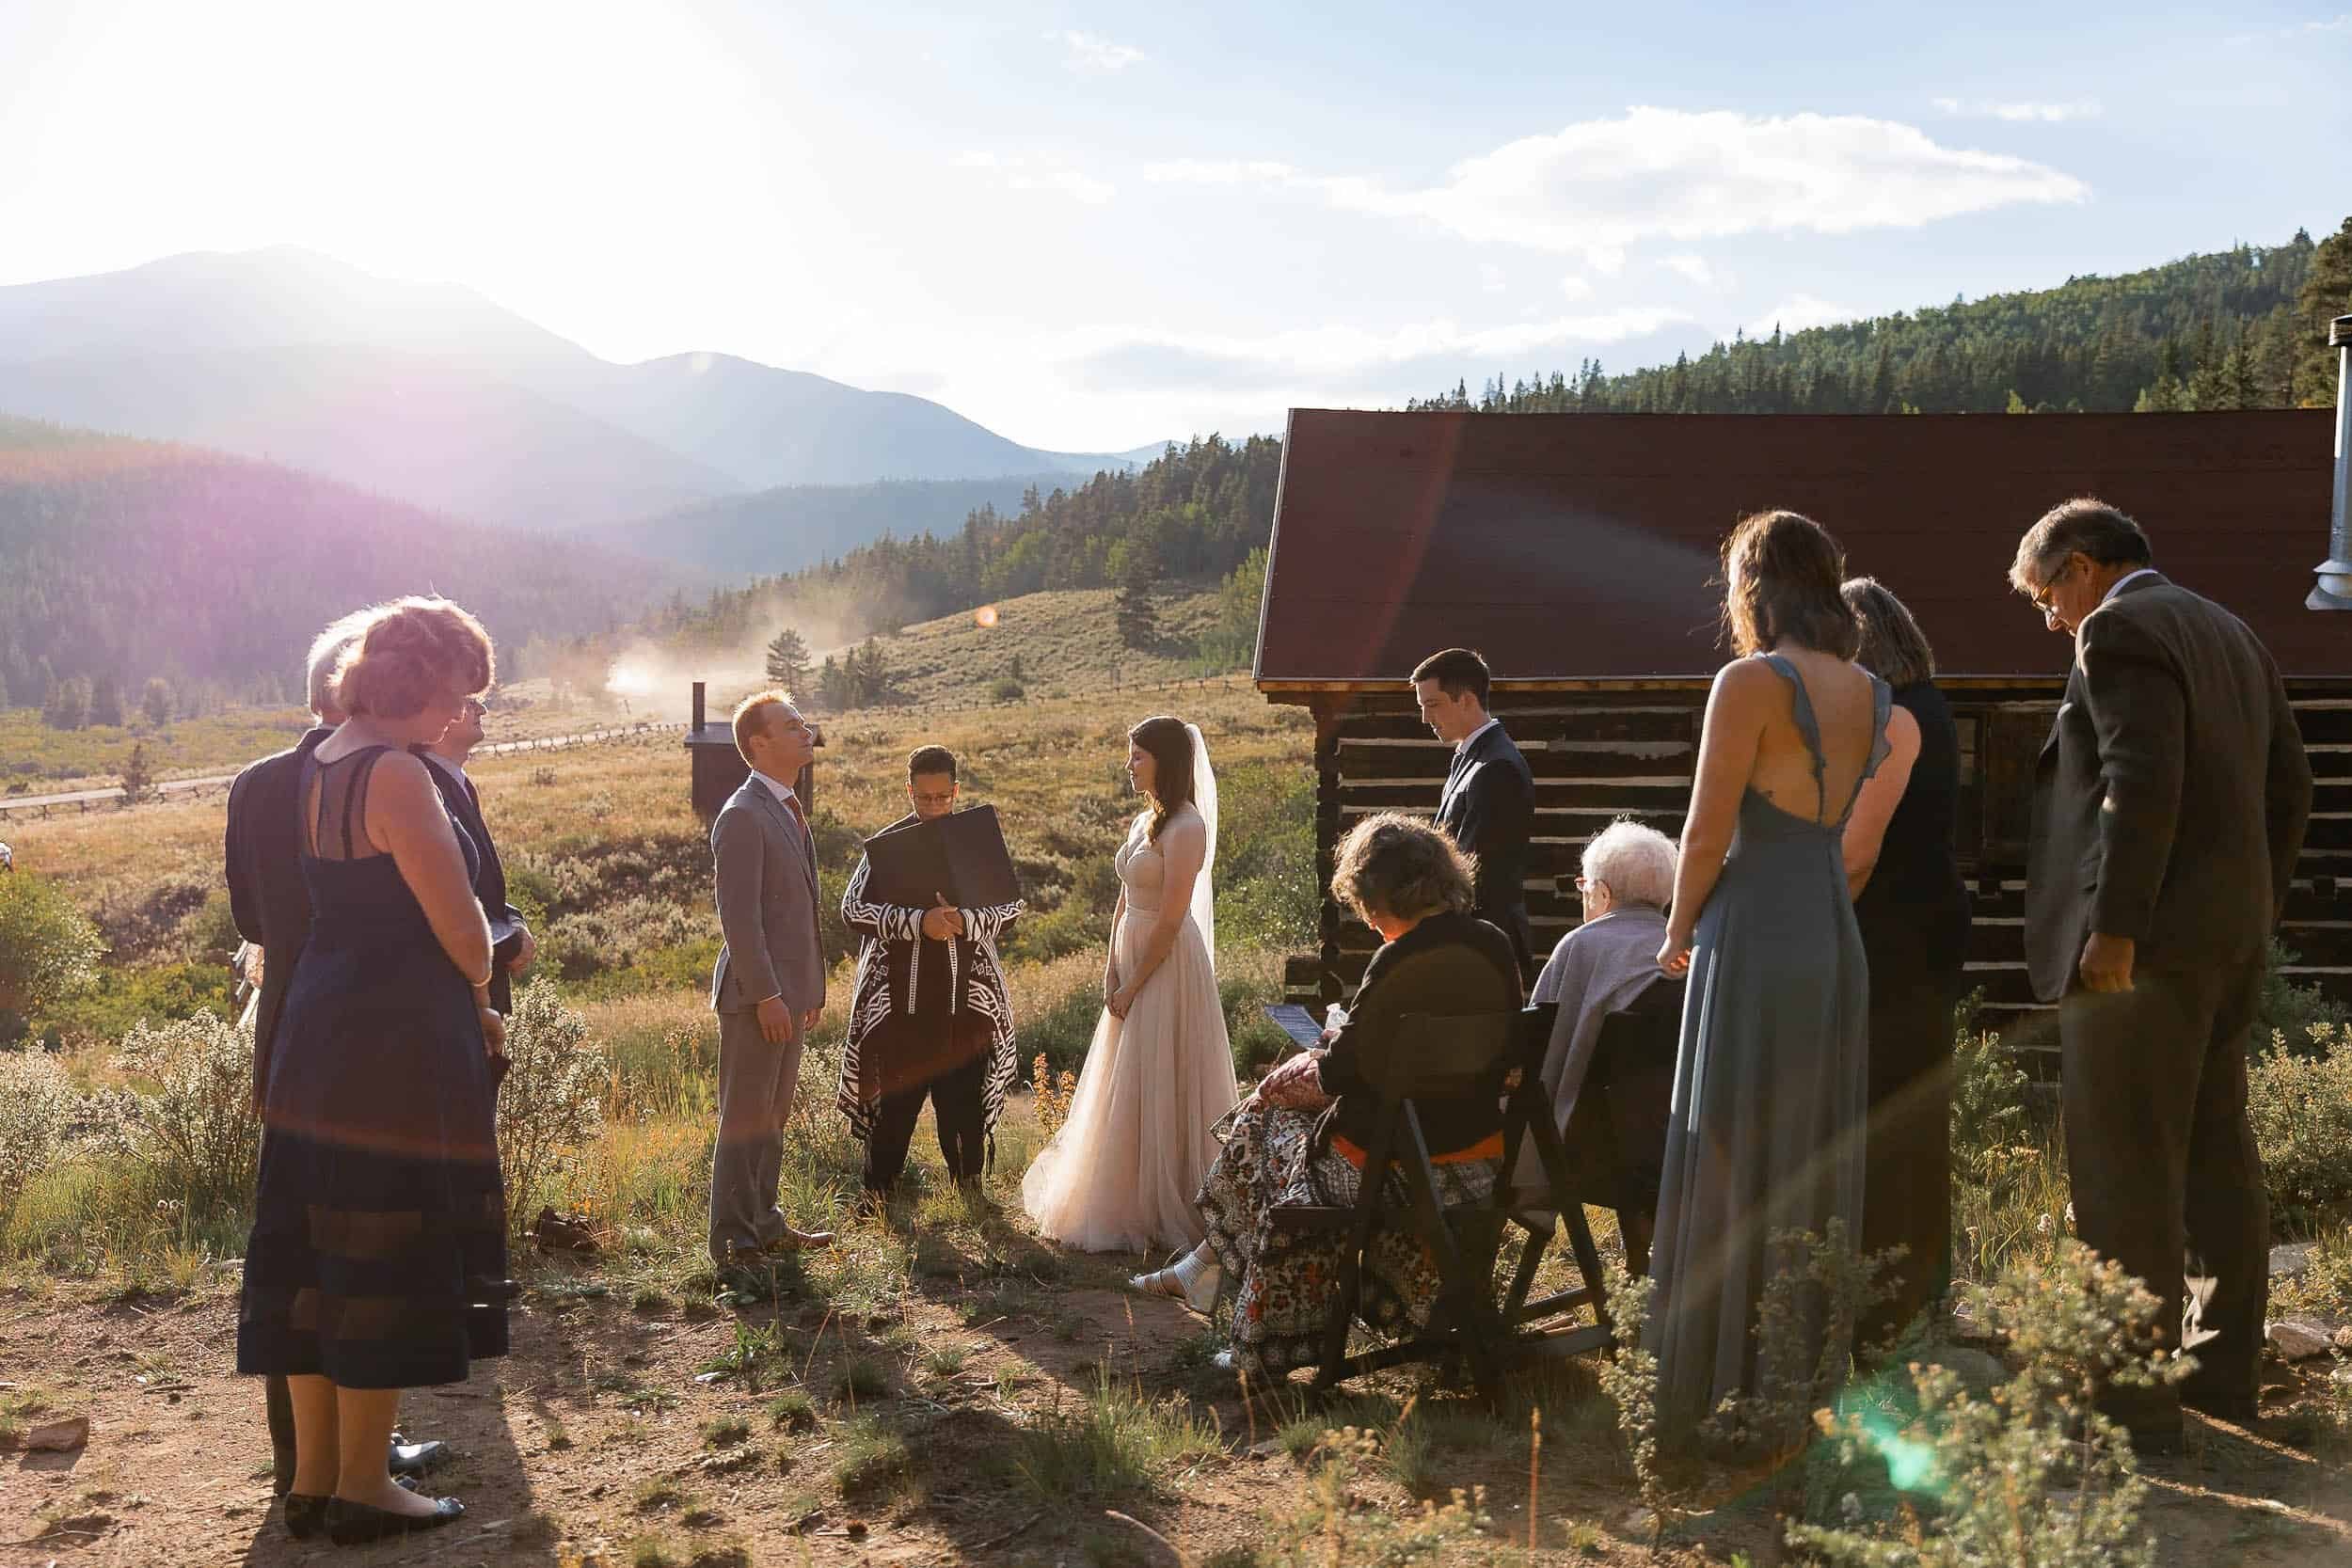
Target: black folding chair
pixel 1407 1059
pixel 1622 1110
pixel 1554 1207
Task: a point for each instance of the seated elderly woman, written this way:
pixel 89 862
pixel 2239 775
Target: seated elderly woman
pixel 1602 967
pixel 1302 1138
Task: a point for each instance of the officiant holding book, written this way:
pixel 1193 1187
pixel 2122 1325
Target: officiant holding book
pixel 929 1018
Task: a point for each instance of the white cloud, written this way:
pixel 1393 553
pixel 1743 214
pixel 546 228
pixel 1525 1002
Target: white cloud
pixel 1092 55
pixel 1328 360
pixel 1978 108
pixel 1692 268
pixel 1026 174
pixel 1800 311
pixel 1598 186
pixel 1217 171
pixel 1575 287
pixel 2341 24
pixel 1490 278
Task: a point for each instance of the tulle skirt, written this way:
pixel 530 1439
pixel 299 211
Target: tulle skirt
pixel 1123 1173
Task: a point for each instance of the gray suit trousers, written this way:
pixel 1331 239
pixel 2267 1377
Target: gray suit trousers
pixel 756 1084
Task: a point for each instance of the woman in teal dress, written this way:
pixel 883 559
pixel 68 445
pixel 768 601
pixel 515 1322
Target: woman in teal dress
pixel 1772 1077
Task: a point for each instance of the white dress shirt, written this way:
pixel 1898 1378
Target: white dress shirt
pixel 2118 585
pixel 1462 747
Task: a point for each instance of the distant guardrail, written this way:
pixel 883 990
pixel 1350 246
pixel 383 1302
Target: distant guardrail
pixel 173 789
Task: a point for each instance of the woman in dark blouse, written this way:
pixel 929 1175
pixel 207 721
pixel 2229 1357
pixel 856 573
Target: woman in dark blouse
pixel 1914 911
pixel 1303 1138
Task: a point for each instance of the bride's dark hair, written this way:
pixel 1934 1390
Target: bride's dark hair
pixel 1170 745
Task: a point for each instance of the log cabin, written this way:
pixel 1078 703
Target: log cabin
pixel 1578 552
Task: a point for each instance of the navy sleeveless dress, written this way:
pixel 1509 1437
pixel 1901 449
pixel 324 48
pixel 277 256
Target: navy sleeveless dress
pixel 1772 1083
pixel 379 1231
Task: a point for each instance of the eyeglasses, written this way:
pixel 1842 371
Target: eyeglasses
pixel 927 798
pixel 2043 597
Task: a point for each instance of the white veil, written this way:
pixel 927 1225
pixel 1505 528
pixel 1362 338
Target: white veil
pixel 1204 800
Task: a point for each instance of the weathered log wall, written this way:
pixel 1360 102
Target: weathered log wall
pixel 1601 754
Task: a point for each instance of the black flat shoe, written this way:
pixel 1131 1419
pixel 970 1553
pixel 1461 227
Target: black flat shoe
pixel 305 1516
pixel 349 1523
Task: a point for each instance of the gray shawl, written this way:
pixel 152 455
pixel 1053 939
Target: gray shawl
pixel 1597 969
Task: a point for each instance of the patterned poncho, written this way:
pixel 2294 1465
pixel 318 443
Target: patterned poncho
pixel 887 976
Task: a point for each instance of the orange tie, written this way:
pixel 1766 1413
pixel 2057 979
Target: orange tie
pixel 799 815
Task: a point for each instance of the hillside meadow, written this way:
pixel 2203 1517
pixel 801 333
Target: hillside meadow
pixel 942 1386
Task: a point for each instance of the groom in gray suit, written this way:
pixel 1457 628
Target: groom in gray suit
pixel 768 985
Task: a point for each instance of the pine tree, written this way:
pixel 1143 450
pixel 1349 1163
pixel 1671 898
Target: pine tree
pixel 787 661
pixel 1138 618
pixel 155 702
pixel 137 776
pixel 2327 293
pixel 68 707
pixel 832 683
pixel 105 702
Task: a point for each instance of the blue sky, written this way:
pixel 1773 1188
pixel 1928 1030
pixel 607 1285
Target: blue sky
pixel 1094 225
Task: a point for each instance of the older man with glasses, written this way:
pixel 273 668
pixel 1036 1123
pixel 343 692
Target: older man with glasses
pixel 2168 812
pixel 515 946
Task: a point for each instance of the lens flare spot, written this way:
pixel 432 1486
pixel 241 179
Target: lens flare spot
pixel 984 617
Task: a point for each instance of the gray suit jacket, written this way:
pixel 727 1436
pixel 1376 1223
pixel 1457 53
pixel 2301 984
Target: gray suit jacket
pixel 2171 796
pixel 764 874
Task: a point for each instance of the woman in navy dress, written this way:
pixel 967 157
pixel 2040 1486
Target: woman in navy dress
pixel 377 1258
pixel 1915 913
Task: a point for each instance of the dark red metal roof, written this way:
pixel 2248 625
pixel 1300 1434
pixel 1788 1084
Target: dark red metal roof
pixel 1583 545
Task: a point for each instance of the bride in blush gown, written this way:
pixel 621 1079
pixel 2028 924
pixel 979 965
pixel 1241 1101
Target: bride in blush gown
pixel 1122 1174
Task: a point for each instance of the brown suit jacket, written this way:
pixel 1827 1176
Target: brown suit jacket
pixel 2171 796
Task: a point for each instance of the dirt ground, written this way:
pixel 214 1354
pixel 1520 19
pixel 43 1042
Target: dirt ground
pixel 593 1442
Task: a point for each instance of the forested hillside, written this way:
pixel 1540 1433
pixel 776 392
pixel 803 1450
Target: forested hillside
pixel 2241 328
pixel 1193 516
pixel 794 525
pixel 123 561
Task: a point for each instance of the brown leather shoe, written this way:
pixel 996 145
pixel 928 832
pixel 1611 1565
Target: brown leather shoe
pixel 795 1241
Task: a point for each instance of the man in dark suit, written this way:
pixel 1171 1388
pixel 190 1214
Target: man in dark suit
pixel 2169 809
pixel 514 945
pixel 1489 804
pixel 269 902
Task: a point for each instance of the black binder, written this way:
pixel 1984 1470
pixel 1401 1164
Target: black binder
pixel 960 857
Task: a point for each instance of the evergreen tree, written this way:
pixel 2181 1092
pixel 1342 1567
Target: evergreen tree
pixel 787 661
pixel 4 690
pixel 155 702
pixel 137 778
pixel 68 707
pixel 1139 617
pixel 2327 293
pixel 105 702
pixel 832 683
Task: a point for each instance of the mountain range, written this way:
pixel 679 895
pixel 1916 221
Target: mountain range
pixel 436 395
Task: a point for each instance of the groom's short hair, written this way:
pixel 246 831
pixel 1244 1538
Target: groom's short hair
pixel 931 759
pixel 1457 670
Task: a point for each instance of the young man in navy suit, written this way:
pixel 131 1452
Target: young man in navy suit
pixel 1488 805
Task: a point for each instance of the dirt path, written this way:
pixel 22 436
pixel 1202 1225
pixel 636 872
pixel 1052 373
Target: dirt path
pixel 593 1442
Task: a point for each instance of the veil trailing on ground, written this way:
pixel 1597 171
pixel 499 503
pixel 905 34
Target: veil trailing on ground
pixel 1204 802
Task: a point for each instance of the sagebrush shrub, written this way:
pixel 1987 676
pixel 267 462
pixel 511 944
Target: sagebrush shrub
pixel 36 1104
pixel 2300 1103
pixel 47 948
pixel 552 1099
pixel 195 1131
pixel 2032 1476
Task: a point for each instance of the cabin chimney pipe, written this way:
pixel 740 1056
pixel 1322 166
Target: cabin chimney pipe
pixel 698 685
pixel 2334 591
